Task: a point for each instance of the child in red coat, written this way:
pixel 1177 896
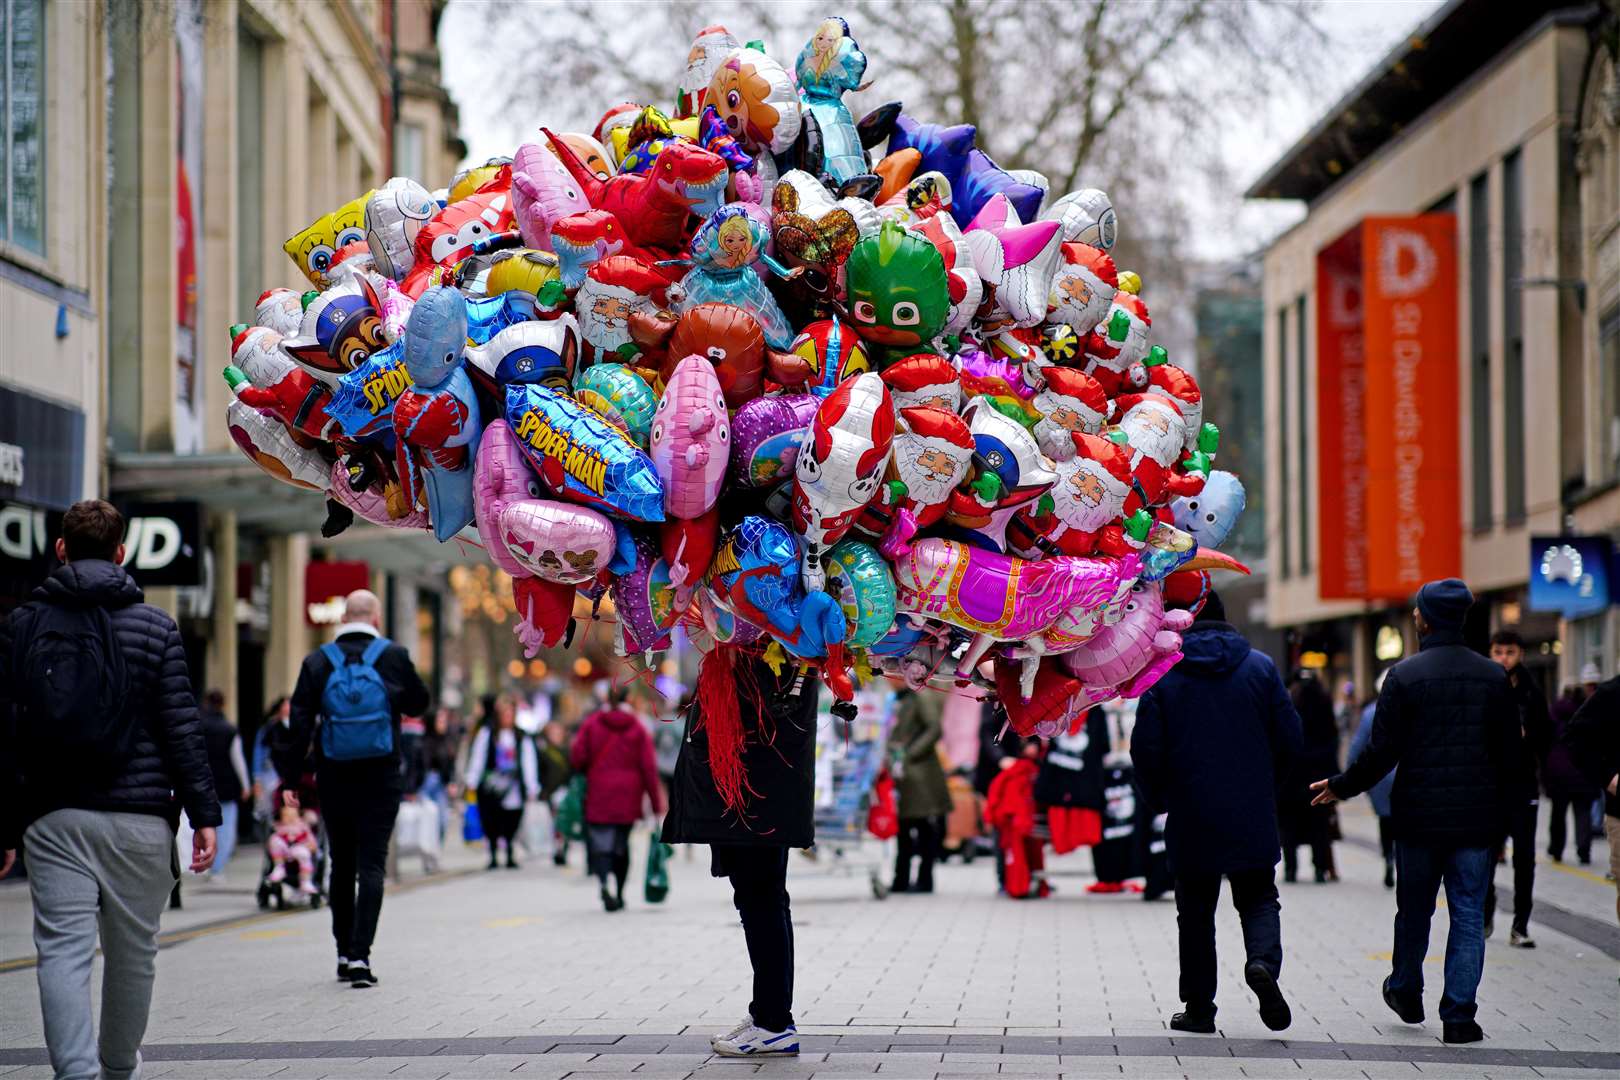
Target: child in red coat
pixel 1010 810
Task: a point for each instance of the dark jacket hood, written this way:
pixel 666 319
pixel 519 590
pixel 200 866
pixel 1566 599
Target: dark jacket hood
pixel 1212 648
pixel 90 583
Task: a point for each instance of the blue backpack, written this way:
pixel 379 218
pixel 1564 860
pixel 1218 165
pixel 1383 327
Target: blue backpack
pixel 358 720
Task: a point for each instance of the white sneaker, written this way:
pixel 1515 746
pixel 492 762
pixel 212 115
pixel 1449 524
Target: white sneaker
pixel 750 1040
pixel 742 1025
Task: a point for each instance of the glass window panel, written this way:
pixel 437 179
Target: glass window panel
pixel 1479 345
pixel 25 78
pixel 1513 464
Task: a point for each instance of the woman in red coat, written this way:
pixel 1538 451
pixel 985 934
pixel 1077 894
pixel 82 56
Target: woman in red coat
pixel 614 752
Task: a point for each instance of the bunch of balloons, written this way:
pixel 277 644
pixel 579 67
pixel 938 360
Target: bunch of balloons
pixel 848 393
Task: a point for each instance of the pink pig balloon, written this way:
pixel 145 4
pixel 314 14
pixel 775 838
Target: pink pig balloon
pixel 556 541
pixel 691 439
pixel 501 476
pixel 1127 658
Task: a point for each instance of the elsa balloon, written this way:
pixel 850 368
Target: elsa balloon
pixel 724 251
pixel 830 65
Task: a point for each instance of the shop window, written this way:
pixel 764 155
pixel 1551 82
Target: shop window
pixel 1479 345
pixel 409 156
pixel 1609 359
pixel 1302 436
pixel 1513 464
pixel 1285 530
pixel 22 104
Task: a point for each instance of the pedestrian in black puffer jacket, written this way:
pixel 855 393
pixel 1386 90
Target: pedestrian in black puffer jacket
pixel 98 827
pixel 1448 718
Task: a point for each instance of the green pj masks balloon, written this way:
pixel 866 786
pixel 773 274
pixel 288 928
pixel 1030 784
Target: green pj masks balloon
pixel 899 293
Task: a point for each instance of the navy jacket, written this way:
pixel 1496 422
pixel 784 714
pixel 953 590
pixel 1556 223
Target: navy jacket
pixel 1449 720
pixel 1211 740
pixel 169 769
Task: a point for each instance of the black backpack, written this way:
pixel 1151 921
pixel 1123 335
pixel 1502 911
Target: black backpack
pixel 72 691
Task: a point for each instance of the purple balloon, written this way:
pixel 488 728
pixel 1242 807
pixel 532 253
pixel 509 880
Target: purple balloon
pixel 633 598
pixel 765 437
pixel 974 177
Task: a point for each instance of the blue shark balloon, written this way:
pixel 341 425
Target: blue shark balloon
pixel 1212 514
pixel 437 420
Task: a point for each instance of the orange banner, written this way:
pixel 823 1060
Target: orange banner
pixel 1412 500
pixel 1341 479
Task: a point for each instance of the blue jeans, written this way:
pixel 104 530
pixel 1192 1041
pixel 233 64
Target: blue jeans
pixel 1419 871
pixel 225 836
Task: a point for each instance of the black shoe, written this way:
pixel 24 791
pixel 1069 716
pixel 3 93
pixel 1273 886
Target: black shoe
pixel 1199 1022
pixel 923 887
pixel 1410 1012
pixel 609 901
pixel 345 972
pixel 1465 1032
pixel 1274 1011
pixel 899 886
pixel 1585 860
pixel 361 976
pixel 559 859
pixel 511 863
pixel 1290 876
pixel 494 864
pixel 1389 875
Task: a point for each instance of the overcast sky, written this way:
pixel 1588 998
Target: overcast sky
pixel 1360 33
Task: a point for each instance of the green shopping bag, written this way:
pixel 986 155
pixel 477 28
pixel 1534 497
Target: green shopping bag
pixel 658 854
pixel 571 811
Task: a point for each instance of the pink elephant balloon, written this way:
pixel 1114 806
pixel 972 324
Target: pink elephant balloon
pixel 691 439
pixel 501 476
pixel 1127 658
pixel 556 541
pixel 370 505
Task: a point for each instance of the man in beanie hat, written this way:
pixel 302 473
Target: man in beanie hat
pixel 1211 740
pixel 1447 717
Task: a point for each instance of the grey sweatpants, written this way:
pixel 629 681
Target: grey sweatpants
pixel 88 868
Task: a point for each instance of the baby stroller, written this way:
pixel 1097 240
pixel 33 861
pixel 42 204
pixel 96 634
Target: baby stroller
pixel 286 892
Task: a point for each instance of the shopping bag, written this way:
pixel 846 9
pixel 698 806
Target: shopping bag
pixel 571 814
pixel 657 886
pixel 472 826
pixel 428 840
pixel 882 817
pixel 408 826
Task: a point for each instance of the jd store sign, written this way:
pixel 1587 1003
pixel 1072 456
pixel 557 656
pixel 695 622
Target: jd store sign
pixel 163 542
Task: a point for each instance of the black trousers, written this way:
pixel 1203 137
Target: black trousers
pixel 607 851
pixel 919 838
pixel 758 876
pixel 358 825
pixel 1522 832
pixel 1254 894
pixel 1561 806
pixel 1386 839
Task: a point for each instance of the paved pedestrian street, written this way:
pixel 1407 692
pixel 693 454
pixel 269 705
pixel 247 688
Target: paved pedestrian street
pixel 522 974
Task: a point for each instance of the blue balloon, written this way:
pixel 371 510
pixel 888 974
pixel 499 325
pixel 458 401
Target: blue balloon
pixel 363 401
pixel 488 316
pixel 1212 514
pixel 581 457
pixel 755 576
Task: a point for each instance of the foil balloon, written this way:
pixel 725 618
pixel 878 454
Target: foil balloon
pixel 581 457
pixel 502 476
pixel 1086 217
pixel 1082 512
pixel 495 174
pixel 278 387
pixel 544 353
pixel 269 445
pixel 395 214
pixel 859 579
pixel 545 609
pixel 1049 706
pixel 315 248
pixel 1178 385
pixel 1127 658
pixel 583 239
pixel 437 422
pixel 809 229
pixel 489 315
pixel 725 250
pixel 1210 516
pixel 730 339
pixel 543 193
pixel 521 270
pixel 363 400
pixel 1000 381
pixel 899 295
pixel 590 152
pixel 281 310
pixel 1115 348
pixel 974 178
pixel 653 208
pixel 634 600
pixel 621 396
pixel 833 352
pixel 933 451
pixel 964 284
pixel 1070 402
pixel 766 434
pixel 830 65
pixel 1008 474
pixel 1153 427
pixel 372 505
pixel 1083 288
pixel 556 541
pixel 618 295
pixel 840 466
pixel 1017 263
pixel 756 101
pixel 453 233
pixel 645 140
pixel 924 380
pixel 340 328
pixel 690 443
pixel 709 49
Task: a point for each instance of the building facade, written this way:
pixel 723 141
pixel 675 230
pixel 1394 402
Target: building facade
pixel 1468 131
pixel 166 150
